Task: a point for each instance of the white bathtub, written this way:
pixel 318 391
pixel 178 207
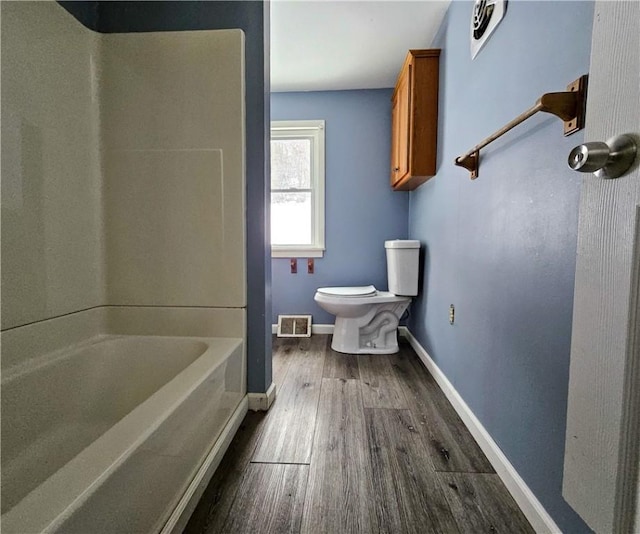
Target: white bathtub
pixel 107 435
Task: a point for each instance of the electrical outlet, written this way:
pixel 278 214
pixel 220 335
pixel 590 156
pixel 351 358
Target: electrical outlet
pixel 452 314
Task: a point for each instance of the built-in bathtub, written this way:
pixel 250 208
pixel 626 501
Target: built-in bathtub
pixel 109 433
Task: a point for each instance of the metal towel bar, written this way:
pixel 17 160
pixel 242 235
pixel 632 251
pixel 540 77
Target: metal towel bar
pixel 568 105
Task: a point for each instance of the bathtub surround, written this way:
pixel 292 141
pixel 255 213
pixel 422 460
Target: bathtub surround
pixel 52 241
pixel 123 226
pixel 173 153
pixel 502 248
pixel 361 210
pixel 160 219
pixel 253 18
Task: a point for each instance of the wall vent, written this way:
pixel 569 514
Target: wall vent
pixel 294 325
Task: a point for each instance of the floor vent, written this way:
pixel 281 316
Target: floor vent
pixel 294 325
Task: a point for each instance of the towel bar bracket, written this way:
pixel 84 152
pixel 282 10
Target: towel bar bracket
pixel 470 163
pixel 569 106
pixel 576 123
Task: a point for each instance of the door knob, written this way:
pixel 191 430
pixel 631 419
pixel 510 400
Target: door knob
pixel 606 160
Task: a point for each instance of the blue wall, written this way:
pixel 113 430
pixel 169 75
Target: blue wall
pixel 253 18
pixel 361 210
pixel 502 248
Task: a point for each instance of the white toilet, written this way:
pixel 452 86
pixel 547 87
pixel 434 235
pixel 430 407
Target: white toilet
pixel 367 319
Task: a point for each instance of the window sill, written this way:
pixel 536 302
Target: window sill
pixel 296 252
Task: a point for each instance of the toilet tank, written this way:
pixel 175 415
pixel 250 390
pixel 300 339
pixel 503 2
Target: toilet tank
pixel 402 266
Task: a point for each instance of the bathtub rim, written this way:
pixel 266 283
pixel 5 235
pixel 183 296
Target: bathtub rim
pixel 86 472
pixel 184 509
pixel 17 370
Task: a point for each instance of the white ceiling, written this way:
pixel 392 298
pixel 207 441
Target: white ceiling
pixel 320 45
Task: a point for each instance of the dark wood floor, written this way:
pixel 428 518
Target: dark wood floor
pixel 354 444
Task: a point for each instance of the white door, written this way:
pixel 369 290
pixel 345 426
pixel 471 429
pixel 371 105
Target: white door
pixel 603 417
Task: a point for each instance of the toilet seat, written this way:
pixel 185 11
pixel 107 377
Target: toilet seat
pixel 349 291
pixel 354 303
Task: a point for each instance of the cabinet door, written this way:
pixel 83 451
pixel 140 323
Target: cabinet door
pixel 395 149
pixel 400 128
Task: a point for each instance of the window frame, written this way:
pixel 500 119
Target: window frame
pixel 314 130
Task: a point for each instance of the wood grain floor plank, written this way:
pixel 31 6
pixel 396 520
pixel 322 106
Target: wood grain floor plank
pixel 451 445
pixel 380 385
pixel 270 500
pixel 481 503
pixel 339 492
pixel 288 437
pixel 338 365
pixel 282 350
pixel 217 499
pixel 408 496
pixel 371 469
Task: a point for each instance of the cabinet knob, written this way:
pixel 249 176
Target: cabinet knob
pixel 396 169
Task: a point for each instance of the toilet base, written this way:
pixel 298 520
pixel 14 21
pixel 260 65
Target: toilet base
pixel 339 347
pixel 375 333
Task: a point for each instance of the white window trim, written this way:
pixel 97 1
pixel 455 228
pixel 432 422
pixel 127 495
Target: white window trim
pixel 315 130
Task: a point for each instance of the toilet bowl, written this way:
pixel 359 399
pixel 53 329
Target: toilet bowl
pixel 367 319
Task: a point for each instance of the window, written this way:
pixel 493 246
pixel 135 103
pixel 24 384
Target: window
pixel 297 189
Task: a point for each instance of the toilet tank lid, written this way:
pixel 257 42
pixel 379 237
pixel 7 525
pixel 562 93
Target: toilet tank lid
pixel 402 243
pixel 354 291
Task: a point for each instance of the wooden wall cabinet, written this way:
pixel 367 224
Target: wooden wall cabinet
pixel 414 120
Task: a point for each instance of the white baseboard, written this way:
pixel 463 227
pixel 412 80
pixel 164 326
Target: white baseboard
pixel 187 504
pixel 261 402
pixel 540 520
pixel 315 329
pixel 322 329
